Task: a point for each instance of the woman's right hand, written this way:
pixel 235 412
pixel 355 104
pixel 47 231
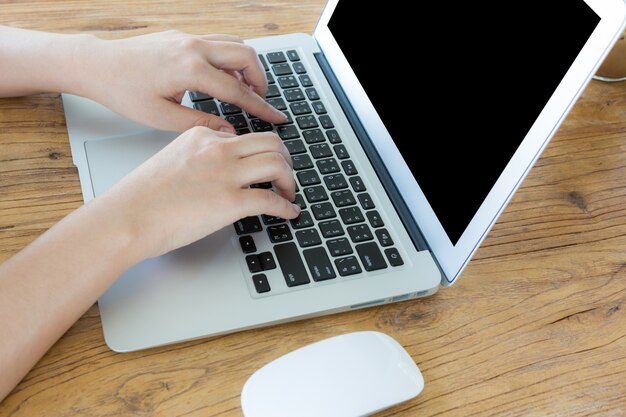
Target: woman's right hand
pixel 198 184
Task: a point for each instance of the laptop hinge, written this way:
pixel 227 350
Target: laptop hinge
pixel 394 195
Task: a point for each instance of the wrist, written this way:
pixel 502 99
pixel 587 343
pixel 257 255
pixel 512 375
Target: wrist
pixel 34 62
pixel 81 58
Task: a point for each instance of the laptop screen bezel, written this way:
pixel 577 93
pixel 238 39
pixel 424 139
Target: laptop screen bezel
pixel 453 258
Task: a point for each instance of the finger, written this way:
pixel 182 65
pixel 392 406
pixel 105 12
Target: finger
pixel 255 143
pixel 238 57
pixel 174 117
pixel 228 89
pixel 255 201
pixel 268 167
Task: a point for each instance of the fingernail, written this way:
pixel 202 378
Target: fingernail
pixel 227 129
pixel 296 208
pixel 284 116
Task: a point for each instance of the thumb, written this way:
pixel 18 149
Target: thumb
pixel 176 117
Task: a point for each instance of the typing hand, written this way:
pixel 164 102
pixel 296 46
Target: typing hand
pixel 145 78
pixel 198 184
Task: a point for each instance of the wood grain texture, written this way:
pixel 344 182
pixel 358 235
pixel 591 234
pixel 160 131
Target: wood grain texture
pixel 535 327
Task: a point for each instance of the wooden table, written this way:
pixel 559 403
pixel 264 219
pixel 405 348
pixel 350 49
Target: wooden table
pixel 535 327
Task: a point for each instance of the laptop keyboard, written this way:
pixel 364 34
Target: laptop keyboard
pixel 339 232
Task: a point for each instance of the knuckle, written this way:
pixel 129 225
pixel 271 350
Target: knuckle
pixel 193 64
pixel 273 141
pixel 244 91
pixel 199 130
pixel 276 159
pixel 189 43
pixel 249 51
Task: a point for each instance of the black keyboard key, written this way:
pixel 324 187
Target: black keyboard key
pixel 323 211
pixel 308 177
pixel 315 194
pixel 276 57
pixel 270 77
pixel 269 220
pixel 294 94
pixel 244 131
pixel 228 108
pixel 374 219
pixel 326 122
pixel 198 96
pixel 207 107
pixel 366 201
pixel 267 261
pixel 333 136
pixel 320 150
pixel 295 146
pixel 339 247
pixel 263 62
pixel 254 265
pixel 351 215
pixel 313 136
pixel 305 80
pixel 341 152
pixel 272 91
pixel 300 108
pixel 238 121
pixel 357 183
pixel 319 265
pixel 371 257
pixel 348 266
pixel 287 132
pixel 261 283
pixel 348 167
pixel 335 182
pixel 331 228
pixel 278 103
pixel 307 122
pixel 247 244
pixel 264 185
pixel 301 162
pixel 308 237
pixel 259 125
pixel 291 264
pixel 248 225
pixel 311 93
pixel 279 233
pixel 281 69
pixel 360 233
pixel 393 256
pixel 383 237
pixel 319 108
pixel 293 55
pixel 298 68
pixel 343 198
pixel 302 221
pixel 300 201
pixel 327 166
pixel 288 81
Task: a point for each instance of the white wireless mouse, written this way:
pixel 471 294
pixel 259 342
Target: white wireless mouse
pixel 354 374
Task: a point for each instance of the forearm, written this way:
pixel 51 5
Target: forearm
pixel 34 62
pixel 45 288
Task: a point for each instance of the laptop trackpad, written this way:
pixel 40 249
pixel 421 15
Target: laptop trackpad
pixel 110 159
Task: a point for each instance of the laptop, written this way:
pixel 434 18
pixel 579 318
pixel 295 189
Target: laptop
pixel 407 144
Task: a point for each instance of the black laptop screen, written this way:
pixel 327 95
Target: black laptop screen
pixel 475 83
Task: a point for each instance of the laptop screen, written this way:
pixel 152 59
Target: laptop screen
pixel 476 84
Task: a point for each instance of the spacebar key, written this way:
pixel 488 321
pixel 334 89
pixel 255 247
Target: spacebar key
pixel 291 264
